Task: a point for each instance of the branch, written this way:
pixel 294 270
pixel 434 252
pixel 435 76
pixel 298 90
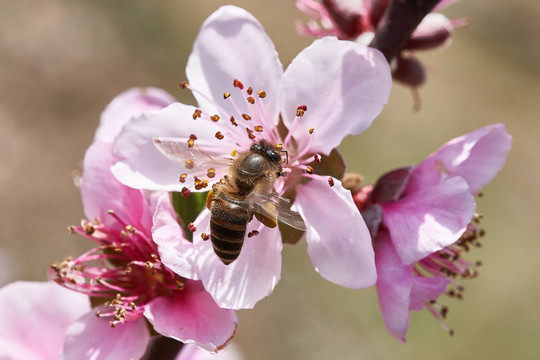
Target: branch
pixel 398 23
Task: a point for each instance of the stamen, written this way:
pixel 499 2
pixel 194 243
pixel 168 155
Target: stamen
pixel 233 121
pixel 205 236
pixel 214 118
pixel 311 130
pixel 182 178
pixel 261 93
pixel 185 192
pixel 226 95
pixel 309 170
pixel 317 158
pixel 251 100
pixel 330 181
pixel 246 117
pixel 238 84
pixel 211 173
pixel 301 110
pixel 250 133
pixel 258 128
pixel 197 114
pixel 219 135
pixel 189 164
pixel 192 227
pixel 183 85
pixel 249 90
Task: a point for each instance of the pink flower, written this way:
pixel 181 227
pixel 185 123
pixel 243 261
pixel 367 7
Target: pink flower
pixel 421 222
pixel 124 274
pixel 357 20
pixel 330 90
pixel 35 317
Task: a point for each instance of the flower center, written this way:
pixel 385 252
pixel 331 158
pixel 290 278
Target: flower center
pixel 249 122
pixel 121 275
pixel 449 263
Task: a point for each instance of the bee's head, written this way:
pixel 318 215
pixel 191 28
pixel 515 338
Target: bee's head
pixel 268 151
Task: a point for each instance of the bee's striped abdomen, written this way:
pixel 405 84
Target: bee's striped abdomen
pixel 227 230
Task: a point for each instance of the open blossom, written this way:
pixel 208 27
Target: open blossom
pixel 357 20
pixel 331 89
pixel 124 275
pixel 423 220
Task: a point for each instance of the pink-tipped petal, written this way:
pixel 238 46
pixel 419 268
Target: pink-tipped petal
pixel 344 86
pixel 139 164
pixel 35 316
pixel 339 243
pixel 251 277
pixel 232 45
pixel 93 338
pixel 130 103
pixel 394 284
pixel 101 192
pixel 476 157
pixel 175 251
pixel 426 221
pixel 192 317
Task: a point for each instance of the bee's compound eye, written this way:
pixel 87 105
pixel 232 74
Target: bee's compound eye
pixel 274 155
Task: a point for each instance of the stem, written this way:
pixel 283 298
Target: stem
pixel 398 23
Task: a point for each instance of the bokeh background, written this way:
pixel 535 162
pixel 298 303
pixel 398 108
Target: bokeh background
pixel 61 62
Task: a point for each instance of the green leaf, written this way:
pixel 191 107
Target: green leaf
pixel 188 208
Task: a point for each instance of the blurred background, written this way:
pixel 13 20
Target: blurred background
pixel 61 62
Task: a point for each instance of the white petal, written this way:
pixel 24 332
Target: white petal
pixel 232 45
pixel 344 85
pixel 140 165
pixel 339 243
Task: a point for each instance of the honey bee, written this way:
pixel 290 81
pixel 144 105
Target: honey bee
pixel 246 190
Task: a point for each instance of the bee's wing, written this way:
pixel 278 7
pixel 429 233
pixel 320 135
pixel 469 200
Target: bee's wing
pixel 285 214
pixel 191 159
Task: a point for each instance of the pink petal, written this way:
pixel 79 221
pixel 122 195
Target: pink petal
pixel 192 352
pixel 434 31
pixel 192 316
pixel 140 165
pixel 130 103
pixel 232 45
pixel 394 284
pixel 428 220
pixel 426 289
pixel 249 278
pixel 344 85
pixel 339 243
pixel 35 316
pixel 93 338
pixel 101 192
pixel 175 251
pixel 477 157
